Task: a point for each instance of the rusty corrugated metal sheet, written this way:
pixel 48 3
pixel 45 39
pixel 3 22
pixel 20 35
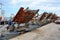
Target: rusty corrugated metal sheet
pixel 54 17
pixel 24 16
pixel 0 18
pixel 43 16
pixel 49 15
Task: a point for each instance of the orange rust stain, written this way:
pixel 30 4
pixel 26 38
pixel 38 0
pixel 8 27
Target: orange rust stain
pixel 43 16
pixel 22 16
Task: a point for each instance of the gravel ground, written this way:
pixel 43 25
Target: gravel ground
pixel 47 32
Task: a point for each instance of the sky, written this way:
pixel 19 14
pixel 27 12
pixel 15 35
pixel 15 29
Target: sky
pixel 12 6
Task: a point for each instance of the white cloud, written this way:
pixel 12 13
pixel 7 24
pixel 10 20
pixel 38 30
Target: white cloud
pixel 13 2
pixel 26 1
pixel 48 5
pixel 37 4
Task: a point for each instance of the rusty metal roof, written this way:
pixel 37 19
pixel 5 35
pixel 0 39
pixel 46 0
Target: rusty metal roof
pixel 24 16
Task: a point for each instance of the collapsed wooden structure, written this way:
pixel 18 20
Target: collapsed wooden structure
pixel 46 18
pixel 24 16
pixel 27 15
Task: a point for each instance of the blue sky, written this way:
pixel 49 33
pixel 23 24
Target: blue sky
pixel 12 6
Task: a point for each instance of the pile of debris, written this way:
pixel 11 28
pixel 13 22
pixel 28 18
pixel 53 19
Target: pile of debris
pixel 25 20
